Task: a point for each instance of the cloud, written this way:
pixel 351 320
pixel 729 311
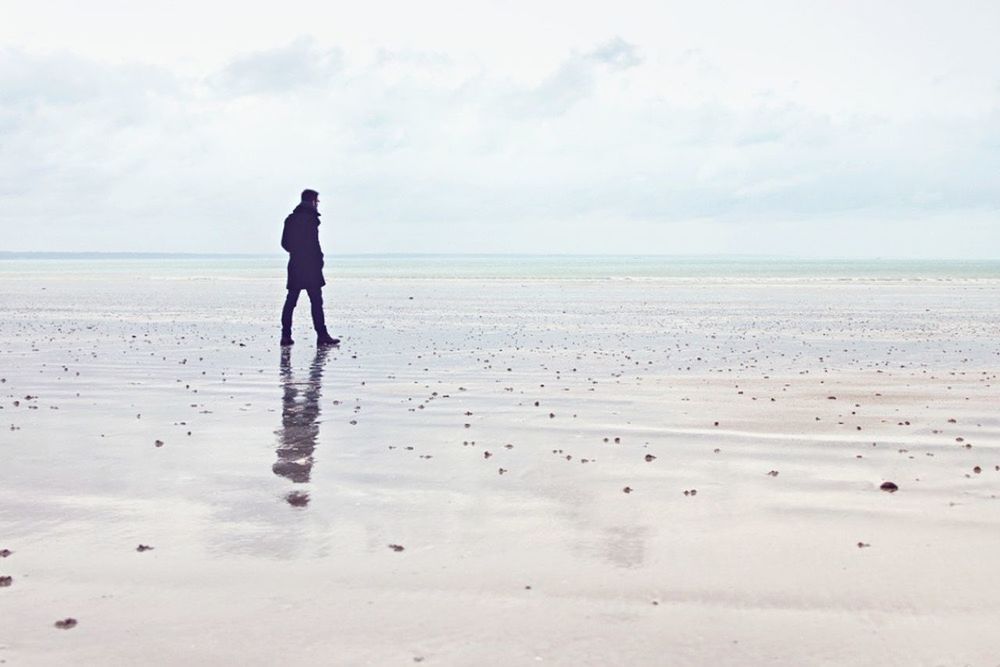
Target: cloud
pixel 109 156
pixel 32 81
pixel 71 126
pixel 573 81
pixel 301 64
pixel 617 54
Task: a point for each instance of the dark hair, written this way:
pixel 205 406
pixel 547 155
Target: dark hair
pixel 310 195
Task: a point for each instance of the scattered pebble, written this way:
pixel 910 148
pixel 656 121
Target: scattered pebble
pixel 396 547
pixel 66 623
pixel 889 486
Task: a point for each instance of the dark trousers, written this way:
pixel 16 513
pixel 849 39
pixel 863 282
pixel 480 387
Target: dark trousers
pixel 315 300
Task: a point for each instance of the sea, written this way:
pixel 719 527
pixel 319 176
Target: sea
pixel 500 267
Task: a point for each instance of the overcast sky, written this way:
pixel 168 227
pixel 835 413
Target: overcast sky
pixel 815 129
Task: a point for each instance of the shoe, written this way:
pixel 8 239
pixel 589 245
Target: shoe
pixel 324 339
pixel 286 341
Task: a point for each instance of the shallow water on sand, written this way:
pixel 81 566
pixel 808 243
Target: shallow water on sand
pixel 284 477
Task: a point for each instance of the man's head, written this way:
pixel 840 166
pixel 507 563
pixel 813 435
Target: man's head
pixel 310 197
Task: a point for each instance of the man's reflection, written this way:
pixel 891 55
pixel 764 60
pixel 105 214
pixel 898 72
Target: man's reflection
pixel 299 423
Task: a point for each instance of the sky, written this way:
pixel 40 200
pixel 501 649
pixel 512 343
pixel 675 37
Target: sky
pixel 805 129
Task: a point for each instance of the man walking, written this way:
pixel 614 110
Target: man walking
pixel 300 238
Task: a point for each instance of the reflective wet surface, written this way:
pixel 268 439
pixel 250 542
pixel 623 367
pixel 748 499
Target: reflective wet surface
pixel 489 427
pixel 300 419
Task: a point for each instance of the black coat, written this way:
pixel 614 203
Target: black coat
pixel 300 238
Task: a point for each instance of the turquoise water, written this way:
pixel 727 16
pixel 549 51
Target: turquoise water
pixel 649 267
pixel 508 266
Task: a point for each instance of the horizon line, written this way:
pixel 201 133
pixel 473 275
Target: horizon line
pixel 81 254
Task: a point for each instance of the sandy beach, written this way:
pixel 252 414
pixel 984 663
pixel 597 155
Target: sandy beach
pixel 498 470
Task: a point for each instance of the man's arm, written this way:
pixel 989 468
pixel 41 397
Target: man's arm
pixel 286 236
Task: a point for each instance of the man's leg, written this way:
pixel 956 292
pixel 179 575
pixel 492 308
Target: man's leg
pixel 316 302
pixel 286 313
pixel 319 321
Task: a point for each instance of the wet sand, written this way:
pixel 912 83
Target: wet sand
pixel 577 471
